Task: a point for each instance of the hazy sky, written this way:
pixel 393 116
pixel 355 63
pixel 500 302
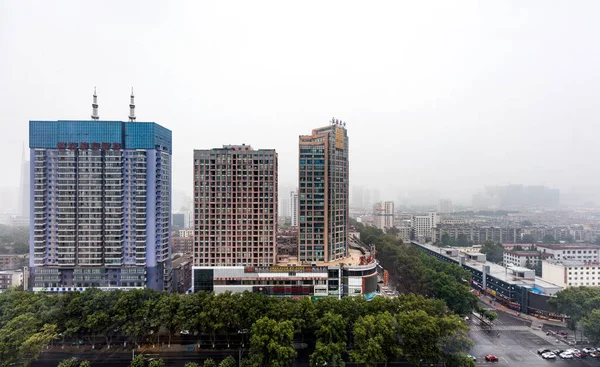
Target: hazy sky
pixel 447 95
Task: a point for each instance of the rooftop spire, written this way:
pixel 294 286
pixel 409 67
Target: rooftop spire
pixel 95 106
pixel 132 108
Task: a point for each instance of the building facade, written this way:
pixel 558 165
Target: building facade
pixel 183 245
pixel 571 273
pixel 585 253
pixel 294 207
pixel 100 205
pixel 423 225
pixel 235 202
pixel 445 206
pixel 524 258
pixel 11 278
pixel 383 214
pixel 323 194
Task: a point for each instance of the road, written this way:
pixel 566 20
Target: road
pixel 515 343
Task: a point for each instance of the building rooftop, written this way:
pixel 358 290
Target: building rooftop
pixel 570 247
pixel 527 253
pixel 353 259
pixel 500 272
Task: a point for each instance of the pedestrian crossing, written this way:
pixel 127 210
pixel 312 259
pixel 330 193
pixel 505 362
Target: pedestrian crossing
pixel 501 328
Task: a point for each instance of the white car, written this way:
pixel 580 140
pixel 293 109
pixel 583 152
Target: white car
pixel 573 350
pixel 549 355
pixel 588 350
pixel 566 355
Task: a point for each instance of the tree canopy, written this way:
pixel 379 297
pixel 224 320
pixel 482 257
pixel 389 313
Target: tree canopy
pixel 582 304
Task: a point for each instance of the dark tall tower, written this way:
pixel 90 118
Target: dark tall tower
pixel 323 194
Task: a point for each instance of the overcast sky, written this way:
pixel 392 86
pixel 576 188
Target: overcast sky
pixel 447 95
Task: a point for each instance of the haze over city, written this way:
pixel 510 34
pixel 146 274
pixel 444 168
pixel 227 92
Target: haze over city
pixel 439 96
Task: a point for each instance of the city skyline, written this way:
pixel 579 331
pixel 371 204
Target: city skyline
pixel 242 79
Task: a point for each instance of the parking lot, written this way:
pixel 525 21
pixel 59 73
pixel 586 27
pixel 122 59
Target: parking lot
pixel 515 343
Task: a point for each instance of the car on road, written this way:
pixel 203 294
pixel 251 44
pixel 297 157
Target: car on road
pixel 580 355
pixel 543 350
pixel 588 350
pixel 549 355
pixel 566 355
pixel 595 354
pixel 557 351
pixel 473 358
pixel 491 358
pixel 573 350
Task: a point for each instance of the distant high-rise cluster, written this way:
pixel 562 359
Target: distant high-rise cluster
pixel 516 197
pixel 445 206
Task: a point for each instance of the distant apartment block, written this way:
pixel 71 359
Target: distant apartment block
pixel 11 278
pixel 294 207
pixel 423 225
pixel 524 258
pixel 11 262
pixel 323 194
pixel 477 234
pixel 445 206
pixel 183 245
pixel 182 274
pixel 235 202
pixel 186 233
pixel 383 214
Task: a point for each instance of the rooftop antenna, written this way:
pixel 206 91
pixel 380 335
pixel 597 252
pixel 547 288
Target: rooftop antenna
pixel 131 108
pixel 95 106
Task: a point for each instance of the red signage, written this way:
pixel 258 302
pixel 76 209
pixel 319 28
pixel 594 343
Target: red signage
pixel 86 146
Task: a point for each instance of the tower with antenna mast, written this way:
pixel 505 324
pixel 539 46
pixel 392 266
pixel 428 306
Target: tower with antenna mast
pixel 131 107
pixel 95 106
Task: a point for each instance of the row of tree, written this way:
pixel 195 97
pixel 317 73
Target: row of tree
pixel 384 329
pixel 413 271
pixel 582 304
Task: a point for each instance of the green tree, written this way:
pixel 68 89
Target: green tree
pixel 210 363
pixel 548 239
pixel 462 240
pixel 229 361
pixel 375 339
pixel 527 238
pixel 446 239
pixel 526 223
pixel 170 314
pixel 138 361
pixel 331 341
pixel 494 251
pixel 271 343
pixel 23 339
pixel 591 326
pixel 71 362
pixel 157 363
pixel 327 355
pixel 85 364
pixel 392 231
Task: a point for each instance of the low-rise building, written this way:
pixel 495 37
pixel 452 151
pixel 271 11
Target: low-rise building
pixel 355 275
pixel 183 245
pixel 571 273
pixel 524 258
pixel 586 253
pixel 10 278
pixel 182 274
pixel 186 233
pixel 11 262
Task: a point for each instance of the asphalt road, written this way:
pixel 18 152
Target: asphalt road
pixel 515 343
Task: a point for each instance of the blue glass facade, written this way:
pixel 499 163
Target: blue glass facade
pixel 131 135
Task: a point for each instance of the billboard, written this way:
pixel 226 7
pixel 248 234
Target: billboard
pixel 339 138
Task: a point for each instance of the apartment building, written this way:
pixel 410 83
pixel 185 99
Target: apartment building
pixel 383 214
pixel 294 207
pixel 235 202
pixel 100 204
pixel 524 258
pixel 571 273
pixel 586 253
pixel 423 225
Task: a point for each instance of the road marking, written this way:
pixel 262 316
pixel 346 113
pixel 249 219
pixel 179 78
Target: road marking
pixel 504 359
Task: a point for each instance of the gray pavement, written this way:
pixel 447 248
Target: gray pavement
pixel 515 342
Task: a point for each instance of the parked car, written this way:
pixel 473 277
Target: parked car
pixel 580 355
pixel 595 354
pixel 589 350
pixel 557 351
pixel 491 358
pixel 566 355
pixel 473 358
pixel 543 350
pixel 549 355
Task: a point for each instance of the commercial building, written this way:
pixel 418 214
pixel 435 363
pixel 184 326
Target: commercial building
pixel 423 225
pixel 294 207
pixel 383 214
pixel 354 276
pixel 100 204
pixel 571 273
pixel 235 206
pixel 585 253
pixel 323 194
pixel 512 286
pixel 524 258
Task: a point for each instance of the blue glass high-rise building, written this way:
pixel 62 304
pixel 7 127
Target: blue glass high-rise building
pixel 100 205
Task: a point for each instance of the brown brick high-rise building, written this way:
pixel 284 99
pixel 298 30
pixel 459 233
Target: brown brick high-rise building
pixel 235 206
pixel 323 208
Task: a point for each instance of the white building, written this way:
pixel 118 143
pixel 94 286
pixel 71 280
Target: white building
pixel 571 273
pixel 294 207
pixel 587 253
pixel 10 278
pixel 383 214
pixel 445 206
pixel 423 225
pixel 186 233
pixel 520 258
